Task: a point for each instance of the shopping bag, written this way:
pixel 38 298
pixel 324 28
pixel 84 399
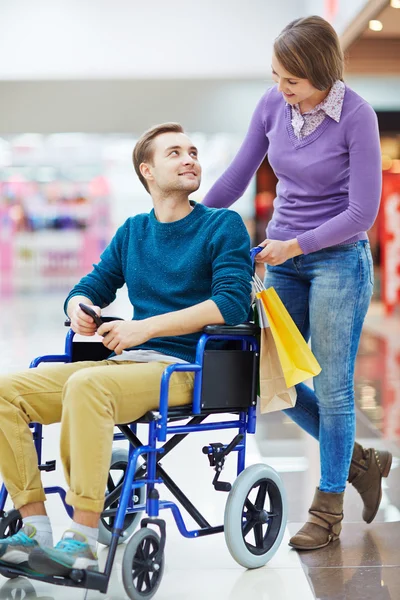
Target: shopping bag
pixel 273 391
pixel 297 361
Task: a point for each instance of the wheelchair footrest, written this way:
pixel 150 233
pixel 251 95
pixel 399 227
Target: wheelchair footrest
pixel 50 465
pixel 91 580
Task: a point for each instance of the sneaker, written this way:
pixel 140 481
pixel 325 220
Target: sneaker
pixel 71 552
pixel 16 549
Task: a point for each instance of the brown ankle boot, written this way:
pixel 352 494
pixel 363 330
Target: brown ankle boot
pixel 367 468
pixel 324 524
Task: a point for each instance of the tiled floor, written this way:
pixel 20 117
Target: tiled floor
pixel 365 563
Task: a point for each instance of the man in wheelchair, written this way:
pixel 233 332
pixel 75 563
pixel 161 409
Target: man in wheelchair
pixel 185 266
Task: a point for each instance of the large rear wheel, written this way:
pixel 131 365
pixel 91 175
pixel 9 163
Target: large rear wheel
pixel 255 516
pixel 115 480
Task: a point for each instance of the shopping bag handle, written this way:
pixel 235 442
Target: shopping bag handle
pixel 254 252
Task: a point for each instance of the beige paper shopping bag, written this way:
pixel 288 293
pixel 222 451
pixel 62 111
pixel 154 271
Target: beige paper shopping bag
pixel 274 393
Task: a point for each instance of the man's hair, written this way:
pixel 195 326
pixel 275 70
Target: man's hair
pixel 143 150
pixel 309 48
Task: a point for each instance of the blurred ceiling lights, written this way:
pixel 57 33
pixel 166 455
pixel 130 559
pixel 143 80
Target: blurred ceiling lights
pixel 375 25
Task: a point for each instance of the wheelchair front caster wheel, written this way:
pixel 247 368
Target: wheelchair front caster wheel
pixel 10 524
pixel 255 516
pixel 141 572
pixel 116 476
pixel 17 590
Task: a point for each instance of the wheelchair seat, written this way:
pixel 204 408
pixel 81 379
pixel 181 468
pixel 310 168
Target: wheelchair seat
pixel 178 413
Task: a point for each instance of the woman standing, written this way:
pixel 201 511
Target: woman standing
pixel 322 142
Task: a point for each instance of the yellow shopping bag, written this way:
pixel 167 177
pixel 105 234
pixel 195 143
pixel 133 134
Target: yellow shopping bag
pixel 273 392
pixel 297 361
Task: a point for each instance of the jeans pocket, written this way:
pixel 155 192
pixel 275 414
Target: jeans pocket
pixel 370 264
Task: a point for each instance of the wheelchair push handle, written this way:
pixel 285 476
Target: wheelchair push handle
pixel 254 252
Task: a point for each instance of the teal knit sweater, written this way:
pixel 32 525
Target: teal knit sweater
pixel 171 266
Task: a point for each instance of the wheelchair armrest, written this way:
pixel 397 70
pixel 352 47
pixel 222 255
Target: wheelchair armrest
pixel 242 329
pixel 106 319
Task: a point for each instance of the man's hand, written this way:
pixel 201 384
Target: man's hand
pixel 119 335
pixel 276 252
pixel 82 323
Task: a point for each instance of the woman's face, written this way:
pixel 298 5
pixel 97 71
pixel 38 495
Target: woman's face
pixel 294 89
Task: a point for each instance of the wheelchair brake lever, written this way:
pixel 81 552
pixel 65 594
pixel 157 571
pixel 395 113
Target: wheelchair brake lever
pixel 238 438
pixel 219 450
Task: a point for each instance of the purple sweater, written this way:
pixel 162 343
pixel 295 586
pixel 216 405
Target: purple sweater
pixel 329 182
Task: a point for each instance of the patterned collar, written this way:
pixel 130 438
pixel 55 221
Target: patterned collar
pixel 332 105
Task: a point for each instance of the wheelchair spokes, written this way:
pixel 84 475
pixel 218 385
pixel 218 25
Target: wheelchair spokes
pixel 259 515
pixel 10 524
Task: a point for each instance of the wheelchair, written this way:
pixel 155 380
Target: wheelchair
pixel 255 512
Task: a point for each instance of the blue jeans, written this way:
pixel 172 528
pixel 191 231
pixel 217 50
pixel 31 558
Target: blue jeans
pixel 327 294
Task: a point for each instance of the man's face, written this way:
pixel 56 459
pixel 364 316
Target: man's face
pixel 175 165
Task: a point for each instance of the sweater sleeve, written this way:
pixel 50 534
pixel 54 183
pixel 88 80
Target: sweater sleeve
pixel 234 181
pixel 231 268
pixel 365 185
pixel 101 284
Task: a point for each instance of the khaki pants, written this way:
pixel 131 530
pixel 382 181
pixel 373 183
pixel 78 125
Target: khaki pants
pixel 88 398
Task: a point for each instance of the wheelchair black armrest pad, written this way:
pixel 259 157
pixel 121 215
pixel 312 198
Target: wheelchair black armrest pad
pixel 242 329
pixel 67 322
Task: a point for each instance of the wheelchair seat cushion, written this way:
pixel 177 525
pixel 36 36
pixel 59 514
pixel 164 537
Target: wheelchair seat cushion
pixel 177 413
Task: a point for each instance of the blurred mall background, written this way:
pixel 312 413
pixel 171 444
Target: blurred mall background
pixel 80 80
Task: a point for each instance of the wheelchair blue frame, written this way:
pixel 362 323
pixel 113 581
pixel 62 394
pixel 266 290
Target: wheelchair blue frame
pixel 158 431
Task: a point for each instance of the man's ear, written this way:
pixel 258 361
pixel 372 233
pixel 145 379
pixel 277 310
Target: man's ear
pixel 146 172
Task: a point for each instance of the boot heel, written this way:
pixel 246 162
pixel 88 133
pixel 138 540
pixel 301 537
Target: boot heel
pixel 367 468
pixel 388 466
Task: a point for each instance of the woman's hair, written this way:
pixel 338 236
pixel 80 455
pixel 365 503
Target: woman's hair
pixel 309 48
